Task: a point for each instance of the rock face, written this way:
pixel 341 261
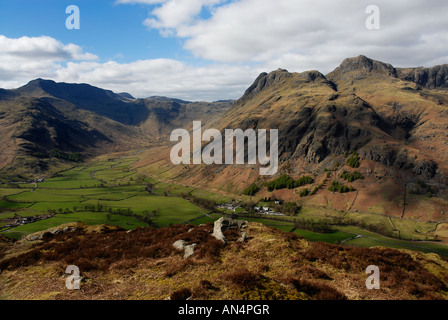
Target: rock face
pixel 53 231
pixel 367 64
pixel 179 245
pixel 263 81
pixel 223 224
pixel 188 250
pixel 430 78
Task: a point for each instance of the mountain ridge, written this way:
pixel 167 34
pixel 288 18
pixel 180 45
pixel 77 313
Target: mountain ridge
pixel 396 127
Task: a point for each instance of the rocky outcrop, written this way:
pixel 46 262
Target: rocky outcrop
pixel 188 250
pixel 179 245
pixel 54 231
pixel 430 78
pixel 361 67
pixel 425 168
pixel 399 159
pixel 263 81
pixel 222 224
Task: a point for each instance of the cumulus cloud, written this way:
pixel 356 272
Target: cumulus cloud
pixel 238 40
pixel 173 14
pixel 26 58
pixel 307 34
pixel 163 77
pixel 42 48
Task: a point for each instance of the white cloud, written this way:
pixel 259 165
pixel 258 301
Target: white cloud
pixel 235 36
pixel 173 14
pixel 163 77
pixel 42 48
pixel 24 59
pixel 300 35
pixel 139 1
pixel 27 58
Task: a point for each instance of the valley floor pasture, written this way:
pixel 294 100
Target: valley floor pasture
pixel 96 193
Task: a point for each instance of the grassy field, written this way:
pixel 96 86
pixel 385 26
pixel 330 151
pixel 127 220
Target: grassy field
pixel 370 239
pixel 102 185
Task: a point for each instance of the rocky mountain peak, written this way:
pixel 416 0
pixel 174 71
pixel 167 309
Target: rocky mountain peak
pixel 364 63
pixel 362 67
pixel 263 81
pixel 312 75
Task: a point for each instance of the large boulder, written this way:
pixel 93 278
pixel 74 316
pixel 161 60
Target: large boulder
pixel 223 224
pixel 179 245
pixel 188 250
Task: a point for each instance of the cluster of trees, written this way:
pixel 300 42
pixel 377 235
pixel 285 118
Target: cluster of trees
pixel 200 202
pixel 423 188
pixel 101 185
pixel 251 190
pixel 354 160
pixel 75 156
pixel 285 181
pixel 290 208
pixel 319 226
pixel 56 153
pixel 60 211
pixel 336 186
pixel 40 155
pixel 351 176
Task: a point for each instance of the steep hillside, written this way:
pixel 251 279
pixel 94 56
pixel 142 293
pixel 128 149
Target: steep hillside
pixel 269 264
pixel 43 116
pixel 166 114
pixel 84 96
pixel 397 128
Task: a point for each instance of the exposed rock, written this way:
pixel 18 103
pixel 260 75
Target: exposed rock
pixel 179 245
pixel 217 230
pixel 33 237
pixel 223 224
pixel 243 237
pixel 428 169
pixel 430 78
pixel 363 67
pixel 312 75
pixel 56 231
pixel 263 81
pixel 189 250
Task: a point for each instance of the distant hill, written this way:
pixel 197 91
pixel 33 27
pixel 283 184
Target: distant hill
pixel 44 115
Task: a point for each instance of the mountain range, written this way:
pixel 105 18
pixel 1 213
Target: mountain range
pixel 78 118
pixel 394 119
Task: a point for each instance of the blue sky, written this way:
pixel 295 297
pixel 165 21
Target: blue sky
pixel 208 49
pixel 108 30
